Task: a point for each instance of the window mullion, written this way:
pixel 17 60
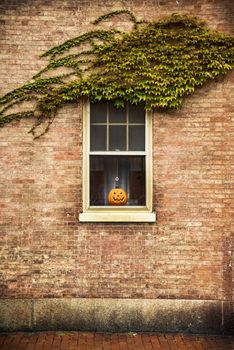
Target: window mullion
pixel 121 153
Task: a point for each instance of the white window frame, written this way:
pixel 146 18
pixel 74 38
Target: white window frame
pixel 117 213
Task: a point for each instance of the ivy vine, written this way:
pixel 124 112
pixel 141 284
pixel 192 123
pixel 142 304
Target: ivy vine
pixel 155 63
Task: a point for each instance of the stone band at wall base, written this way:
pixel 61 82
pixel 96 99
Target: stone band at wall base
pixel 112 315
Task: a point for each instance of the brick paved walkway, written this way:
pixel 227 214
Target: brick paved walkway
pixel 107 341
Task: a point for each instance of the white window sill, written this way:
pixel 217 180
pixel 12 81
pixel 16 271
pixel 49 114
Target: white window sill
pixel 117 217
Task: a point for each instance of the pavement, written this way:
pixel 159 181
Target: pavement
pixel 112 341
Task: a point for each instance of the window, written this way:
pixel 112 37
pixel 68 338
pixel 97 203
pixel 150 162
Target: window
pixel 117 155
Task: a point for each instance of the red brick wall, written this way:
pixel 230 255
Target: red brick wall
pixel 45 251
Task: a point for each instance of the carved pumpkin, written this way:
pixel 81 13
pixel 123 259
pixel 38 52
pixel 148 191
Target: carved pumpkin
pixel 117 196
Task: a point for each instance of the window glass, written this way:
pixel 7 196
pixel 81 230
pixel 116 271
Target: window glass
pixel 115 129
pixel 98 112
pixel 97 137
pixel 117 115
pixel 126 172
pixel 136 114
pixel 136 137
pixel 117 138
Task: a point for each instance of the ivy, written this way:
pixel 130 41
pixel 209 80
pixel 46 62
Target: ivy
pixel 156 63
pixel 116 13
pixel 76 42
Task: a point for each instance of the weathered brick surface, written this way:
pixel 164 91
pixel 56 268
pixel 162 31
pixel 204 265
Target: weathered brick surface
pixel 45 251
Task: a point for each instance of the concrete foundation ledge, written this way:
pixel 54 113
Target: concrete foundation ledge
pixel 116 315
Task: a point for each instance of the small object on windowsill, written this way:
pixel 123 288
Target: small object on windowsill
pixel 117 196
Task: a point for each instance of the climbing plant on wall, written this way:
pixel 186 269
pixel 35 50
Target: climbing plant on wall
pixel 155 63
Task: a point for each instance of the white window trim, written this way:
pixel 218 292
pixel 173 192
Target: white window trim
pixel 116 213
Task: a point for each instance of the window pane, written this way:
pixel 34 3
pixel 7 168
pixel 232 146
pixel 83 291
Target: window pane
pixel 117 138
pixel 126 172
pixel 98 112
pixel 97 181
pixel 116 115
pixel 137 181
pixel 137 138
pixel 98 138
pixel 136 114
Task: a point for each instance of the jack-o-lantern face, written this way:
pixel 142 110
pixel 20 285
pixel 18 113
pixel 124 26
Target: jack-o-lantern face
pixel 117 196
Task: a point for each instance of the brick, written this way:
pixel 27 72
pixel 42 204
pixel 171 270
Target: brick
pixel 45 251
